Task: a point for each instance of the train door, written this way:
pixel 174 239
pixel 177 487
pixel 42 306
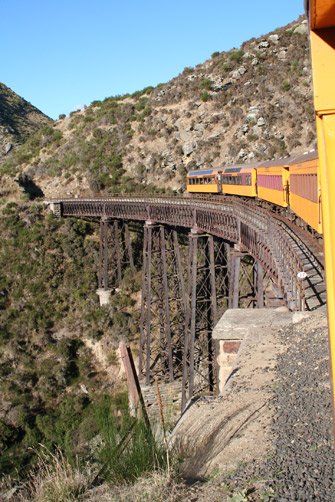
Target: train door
pixel 219 181
pixel 286 185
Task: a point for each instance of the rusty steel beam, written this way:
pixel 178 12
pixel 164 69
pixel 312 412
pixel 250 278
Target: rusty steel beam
pixel 163 305
pixel 207 284
pixel 259 284
pixel 115 253
pixel 103 255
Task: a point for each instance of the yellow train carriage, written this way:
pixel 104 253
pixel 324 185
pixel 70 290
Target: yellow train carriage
pixel 272 183
pixel 204 181
pixel 305 194
pixel 239 180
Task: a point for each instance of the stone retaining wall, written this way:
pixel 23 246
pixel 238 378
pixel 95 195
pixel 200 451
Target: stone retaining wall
pixel 170 396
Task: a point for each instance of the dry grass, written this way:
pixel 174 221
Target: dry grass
pixel 156 487
pixel 56 480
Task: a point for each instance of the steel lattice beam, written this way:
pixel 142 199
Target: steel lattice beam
pixel 163 305
pixel 115 252
pixel 208 285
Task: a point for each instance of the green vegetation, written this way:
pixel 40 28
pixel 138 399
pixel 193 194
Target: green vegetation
pixel 128 448
pixel 236 55
pixel 44 290
pixel 117 448
pixel 94 149
pixel 19 117
pixel 205 96
pixel 286 85
pixel 46 137
pixel 227 67
pixel 206 83
pixel 146 90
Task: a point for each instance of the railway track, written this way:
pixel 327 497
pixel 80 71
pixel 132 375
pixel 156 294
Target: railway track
pixel 308 246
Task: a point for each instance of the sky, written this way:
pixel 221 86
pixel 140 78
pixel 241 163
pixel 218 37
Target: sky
pixel 63 54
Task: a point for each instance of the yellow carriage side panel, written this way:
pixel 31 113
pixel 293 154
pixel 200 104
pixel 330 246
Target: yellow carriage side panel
pixel 272 185
pixel 307 210
pixel 305 195
pixel 242 182
pixel 205 188
pixel 241 190
pixel 322 37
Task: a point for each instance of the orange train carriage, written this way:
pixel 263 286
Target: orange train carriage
pixel 205 180
pixel 305 193
pixel 273 182
pixel 239 180
pixel 291 182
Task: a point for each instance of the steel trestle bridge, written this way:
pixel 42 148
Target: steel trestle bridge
pixel 199 257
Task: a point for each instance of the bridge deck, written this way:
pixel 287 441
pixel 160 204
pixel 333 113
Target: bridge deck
pixel 273 243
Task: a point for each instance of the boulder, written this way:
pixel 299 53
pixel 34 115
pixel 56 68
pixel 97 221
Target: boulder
pixel 8 147
pixel 188 148
pixel 242 154
pixel 236 74
pixel 199 127
pixel 274 38
pixel 251 117
pixel 282 54
pixel 302 29
pixel 226 85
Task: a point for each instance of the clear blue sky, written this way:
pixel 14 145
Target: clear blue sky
pixel 62 54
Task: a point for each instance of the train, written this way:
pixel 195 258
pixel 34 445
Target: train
pixel 291 184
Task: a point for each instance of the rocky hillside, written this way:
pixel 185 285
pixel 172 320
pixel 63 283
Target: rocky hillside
pixel 250 103
pixel 18 120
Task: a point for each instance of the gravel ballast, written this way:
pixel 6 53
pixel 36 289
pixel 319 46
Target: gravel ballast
pixel 303 462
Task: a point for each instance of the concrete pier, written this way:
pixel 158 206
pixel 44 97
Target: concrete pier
pixel 236 325
pixel 104 296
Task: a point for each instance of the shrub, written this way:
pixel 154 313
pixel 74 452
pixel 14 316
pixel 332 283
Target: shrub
pixel 205 96
pixel 206 84
pixel 146 90
pixel 227 67
pixel 141 104
pixel 286 86
pixel 128 448
pixel 237 55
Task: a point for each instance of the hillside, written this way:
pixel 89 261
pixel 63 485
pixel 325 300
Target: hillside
pixel 250 103
pixel 18 120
